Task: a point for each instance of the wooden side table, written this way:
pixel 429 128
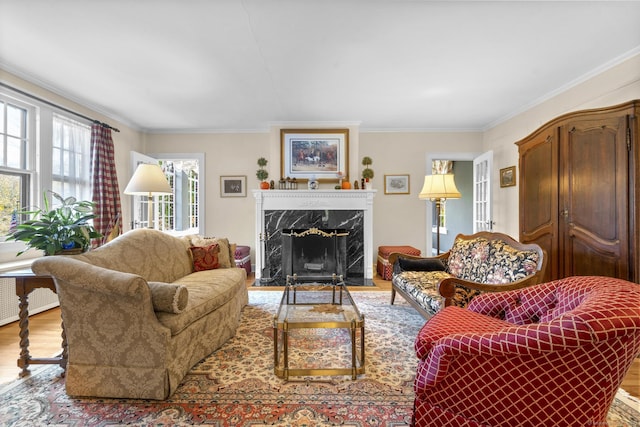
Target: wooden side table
pixel 26 282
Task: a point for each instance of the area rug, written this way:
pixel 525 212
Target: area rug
pixel 235 386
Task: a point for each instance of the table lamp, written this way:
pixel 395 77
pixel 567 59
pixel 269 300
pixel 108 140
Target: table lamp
pixel 148 180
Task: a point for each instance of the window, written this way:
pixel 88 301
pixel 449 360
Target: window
pixel 14 155
pixel 28 127
pixel 70 155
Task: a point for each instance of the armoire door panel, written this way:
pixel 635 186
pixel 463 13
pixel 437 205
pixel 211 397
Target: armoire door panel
pixel 593 195
pixel 539 196
pixel 588 261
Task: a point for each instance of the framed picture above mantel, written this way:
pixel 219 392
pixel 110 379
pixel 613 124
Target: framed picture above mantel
pixel 322 154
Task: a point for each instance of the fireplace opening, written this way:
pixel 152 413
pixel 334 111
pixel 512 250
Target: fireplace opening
pixel 314 254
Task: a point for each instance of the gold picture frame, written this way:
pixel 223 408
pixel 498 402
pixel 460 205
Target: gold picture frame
pixel 396 184
pixel 508 176
pixel 314 153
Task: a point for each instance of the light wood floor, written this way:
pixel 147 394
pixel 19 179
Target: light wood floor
pixel 45 331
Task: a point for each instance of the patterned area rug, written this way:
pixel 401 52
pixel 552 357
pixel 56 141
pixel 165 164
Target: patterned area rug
pixel 235 386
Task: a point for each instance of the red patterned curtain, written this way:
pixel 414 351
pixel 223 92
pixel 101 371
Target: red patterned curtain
pixel 104 186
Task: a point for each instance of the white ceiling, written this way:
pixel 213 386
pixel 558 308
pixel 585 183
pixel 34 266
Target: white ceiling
pixel 243 65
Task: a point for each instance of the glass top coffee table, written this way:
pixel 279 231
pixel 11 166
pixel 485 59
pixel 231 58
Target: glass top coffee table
pixel 306 312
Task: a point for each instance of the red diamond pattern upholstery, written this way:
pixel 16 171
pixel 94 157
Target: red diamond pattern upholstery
pixel 552 354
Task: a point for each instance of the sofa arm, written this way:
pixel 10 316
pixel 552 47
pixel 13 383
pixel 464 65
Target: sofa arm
pixel 91 278
pixel 108 315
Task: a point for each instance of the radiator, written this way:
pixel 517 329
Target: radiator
pixel 39 300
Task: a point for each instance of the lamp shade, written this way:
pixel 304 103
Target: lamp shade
pixel 148 179
pixel 439 186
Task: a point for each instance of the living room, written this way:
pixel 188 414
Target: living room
pixel 396 146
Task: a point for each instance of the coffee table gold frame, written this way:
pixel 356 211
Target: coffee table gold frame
pixel 319 306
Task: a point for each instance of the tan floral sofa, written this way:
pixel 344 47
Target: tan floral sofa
pixel 476 263
pixel 136 314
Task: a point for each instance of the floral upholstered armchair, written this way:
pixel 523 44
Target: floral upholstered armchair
pixel 477 263
pixel 547 355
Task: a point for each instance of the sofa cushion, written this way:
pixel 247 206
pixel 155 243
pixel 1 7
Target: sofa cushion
pixel 469 259
pixel 205 257
pixel 509 264
pixel 421 287
pixel 487 261
pixel 168 297
pixel 208 290
pixel 225 257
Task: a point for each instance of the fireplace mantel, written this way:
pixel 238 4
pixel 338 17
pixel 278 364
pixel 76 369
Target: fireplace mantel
pixel 314 200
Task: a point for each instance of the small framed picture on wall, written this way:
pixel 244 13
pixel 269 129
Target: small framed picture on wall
pixel 508 177
pixel 396 184
pixel 233 186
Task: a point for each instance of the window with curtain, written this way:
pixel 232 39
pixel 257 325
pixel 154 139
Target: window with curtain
pixel 28 127
pixel 70 155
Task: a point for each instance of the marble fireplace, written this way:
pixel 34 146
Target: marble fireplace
pixel 280 211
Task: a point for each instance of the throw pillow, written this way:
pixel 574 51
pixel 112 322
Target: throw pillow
pixel 205 257
pixel 168 297
pixel 225 257
pixel 434 264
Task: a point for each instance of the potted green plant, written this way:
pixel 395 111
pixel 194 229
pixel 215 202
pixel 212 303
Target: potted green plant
pixel 60 229
pixel 367 173
pixel 262 173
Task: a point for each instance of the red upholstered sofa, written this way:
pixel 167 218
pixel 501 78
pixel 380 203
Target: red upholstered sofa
pixel 550 354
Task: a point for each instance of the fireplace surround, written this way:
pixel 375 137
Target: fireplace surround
pixel 348 210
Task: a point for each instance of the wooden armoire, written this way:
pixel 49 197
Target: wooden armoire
pixel 580 190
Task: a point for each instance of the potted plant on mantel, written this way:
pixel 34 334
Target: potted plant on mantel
pixel 64 229
pixel 262 174
pixel 367 173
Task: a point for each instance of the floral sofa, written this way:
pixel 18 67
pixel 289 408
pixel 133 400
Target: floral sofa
pixel 477 263
pixel 140 311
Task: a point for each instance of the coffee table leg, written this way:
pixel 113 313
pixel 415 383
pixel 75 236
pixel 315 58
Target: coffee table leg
pixel 353 351
pixel 285 345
